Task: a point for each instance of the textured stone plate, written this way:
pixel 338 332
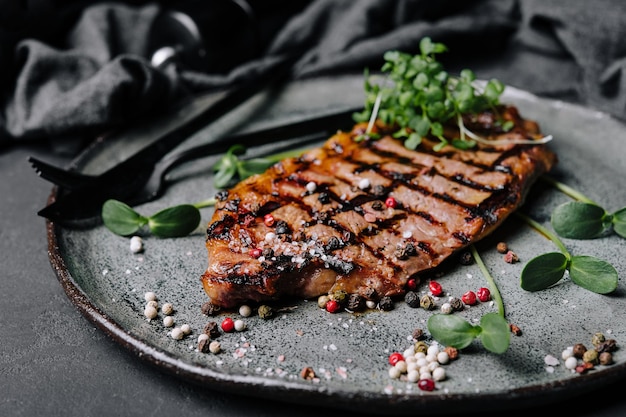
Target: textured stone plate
pixel 349 352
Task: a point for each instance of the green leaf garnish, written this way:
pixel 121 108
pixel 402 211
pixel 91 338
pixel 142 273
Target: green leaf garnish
pixel 546 270
pixel 495 333
pixel 543 271
pixel 452 330
pixel 455 331
pixel 584 218
pixel 619 222
pixel 580 220
pixel 230 167
pixel 175 221
pixel 419 94
pixel 121 219
pixel 226 167
pixel 593 274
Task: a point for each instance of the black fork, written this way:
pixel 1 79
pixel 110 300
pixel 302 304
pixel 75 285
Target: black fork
pixel 138 180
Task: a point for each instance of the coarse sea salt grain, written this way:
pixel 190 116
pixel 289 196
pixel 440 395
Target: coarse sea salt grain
pixel 551 360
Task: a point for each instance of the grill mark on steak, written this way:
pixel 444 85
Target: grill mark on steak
pixel 342 236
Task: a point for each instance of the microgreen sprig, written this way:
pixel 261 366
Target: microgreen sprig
pixel 419 96
pixel 546 270
pixel 175 221
pixel 493 330
pixel 584 218
pixel 230 167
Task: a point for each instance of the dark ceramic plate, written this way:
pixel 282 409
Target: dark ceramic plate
pixel 349 352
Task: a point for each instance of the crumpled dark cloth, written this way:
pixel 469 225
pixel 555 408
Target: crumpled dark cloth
pixel 97 75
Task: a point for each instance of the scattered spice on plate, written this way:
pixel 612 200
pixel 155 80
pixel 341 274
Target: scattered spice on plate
pixel 502 247
pixel 511 257
pixel 307 373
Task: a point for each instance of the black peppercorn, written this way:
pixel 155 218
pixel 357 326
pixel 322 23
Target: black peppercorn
pixel 418 334
pixel 333 244
pixel 401 254
pixel 355 303
pixel 323 198
pixel 385 303
pixel 282 228
pixel 221 195
pixel 210 309
pixel 203 345
pixel 466 258
pixel 457 304
pixel 212 330
pixel 412 299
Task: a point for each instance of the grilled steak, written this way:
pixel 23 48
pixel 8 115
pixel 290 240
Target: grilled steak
pixel 364 217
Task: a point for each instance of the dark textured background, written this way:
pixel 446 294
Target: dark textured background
pixel 67 75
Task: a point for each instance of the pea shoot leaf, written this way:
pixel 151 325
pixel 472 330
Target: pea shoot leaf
pixel 579 220
pixel 619 222
pixel 543 271
pixel 121 219
pixel 452 330
pixel 253 166
pixel 593 274
pixel 175 221
pixel 226 168
pixel 495 334
pixel 231 168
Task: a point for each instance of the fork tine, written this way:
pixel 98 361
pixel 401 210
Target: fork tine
pixel 61 177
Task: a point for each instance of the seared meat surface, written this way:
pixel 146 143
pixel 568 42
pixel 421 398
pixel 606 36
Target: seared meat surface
pixel 364 217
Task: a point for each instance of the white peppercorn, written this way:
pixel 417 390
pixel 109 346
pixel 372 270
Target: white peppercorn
pixel 167 309
pixel 245 311
pixel 240 325
pixel 150 312
pixel 177 333
pixel 215 347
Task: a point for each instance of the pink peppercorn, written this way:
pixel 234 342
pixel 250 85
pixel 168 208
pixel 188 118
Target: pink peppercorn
pixel 332 306
pixel 228 325
pixel 391 202
pixel 268 219
pixel 411 284
pixel 395 358
pixel 426 384
pixel 435 288
pixel 483 294
pixel 469 298
pixel 256 252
